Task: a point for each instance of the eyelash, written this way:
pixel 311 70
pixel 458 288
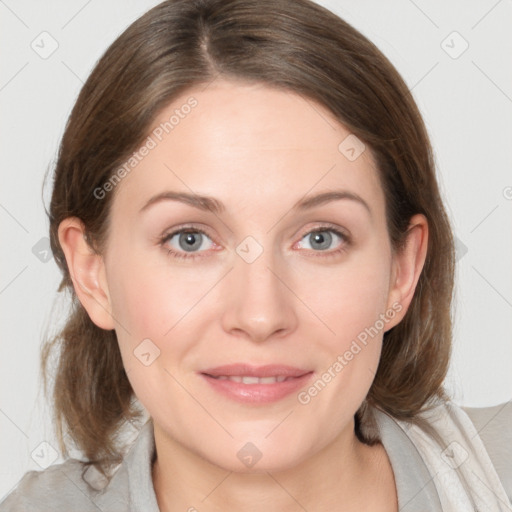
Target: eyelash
pixel 346 240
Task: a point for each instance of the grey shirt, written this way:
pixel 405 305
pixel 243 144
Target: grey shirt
pixel 72 486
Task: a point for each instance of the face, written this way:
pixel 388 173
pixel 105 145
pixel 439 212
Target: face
pixel 266 285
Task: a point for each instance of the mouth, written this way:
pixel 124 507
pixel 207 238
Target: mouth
pixel 246 379
pixel 256 384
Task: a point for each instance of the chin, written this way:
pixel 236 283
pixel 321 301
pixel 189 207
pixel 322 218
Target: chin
pixel 258 456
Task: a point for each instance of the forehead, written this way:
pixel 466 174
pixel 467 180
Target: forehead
pixel 251 146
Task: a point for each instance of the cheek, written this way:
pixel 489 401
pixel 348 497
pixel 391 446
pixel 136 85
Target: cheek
pixel 352 304
pixel 137 301
pixel 148 296
pixel 352 297
pixel 153 300
pixel 146 305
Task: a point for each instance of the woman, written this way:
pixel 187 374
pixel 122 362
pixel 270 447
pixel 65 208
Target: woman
pixel 212 147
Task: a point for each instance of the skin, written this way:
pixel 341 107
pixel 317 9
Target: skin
pixel 259 150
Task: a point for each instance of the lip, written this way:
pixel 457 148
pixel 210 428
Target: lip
pixel 256 393
pixel 268 370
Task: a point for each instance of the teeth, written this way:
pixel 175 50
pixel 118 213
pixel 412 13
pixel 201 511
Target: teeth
pixel 250 380
pixel 269 380
pixel 254 380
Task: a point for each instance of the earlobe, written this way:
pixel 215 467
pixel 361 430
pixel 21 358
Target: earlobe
pixel 87 272
pixel 407 266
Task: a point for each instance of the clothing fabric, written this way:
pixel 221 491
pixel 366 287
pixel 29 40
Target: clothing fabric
pixel 463 475
pixel 473 471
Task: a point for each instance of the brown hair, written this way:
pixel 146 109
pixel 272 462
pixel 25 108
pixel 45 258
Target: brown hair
pixel 295 45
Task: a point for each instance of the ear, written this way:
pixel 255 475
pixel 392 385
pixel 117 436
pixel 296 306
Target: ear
pixel 407 266
pixel 87 272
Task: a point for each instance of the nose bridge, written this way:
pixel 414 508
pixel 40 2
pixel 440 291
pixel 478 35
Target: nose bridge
pixel 260 304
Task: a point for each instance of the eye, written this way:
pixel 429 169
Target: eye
pixel 189 243
pixel 185 241
pixel 322 238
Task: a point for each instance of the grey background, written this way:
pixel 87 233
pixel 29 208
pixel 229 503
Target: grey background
pixel 466 101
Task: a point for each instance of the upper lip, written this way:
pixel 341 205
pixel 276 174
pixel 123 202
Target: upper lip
pixel 242 369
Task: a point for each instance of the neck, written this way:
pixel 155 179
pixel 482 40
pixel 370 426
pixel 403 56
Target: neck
pixel 345 473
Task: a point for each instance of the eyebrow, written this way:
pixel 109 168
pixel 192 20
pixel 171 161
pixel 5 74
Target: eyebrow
pixel 210 204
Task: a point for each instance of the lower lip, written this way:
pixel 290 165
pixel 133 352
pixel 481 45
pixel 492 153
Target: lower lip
pixel 257 393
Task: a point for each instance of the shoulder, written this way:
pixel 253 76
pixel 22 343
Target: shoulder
pixel 78 486
pixel 494 426
pixel 72 485
pixel 57 486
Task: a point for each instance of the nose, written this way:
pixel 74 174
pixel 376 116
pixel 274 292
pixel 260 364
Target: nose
pixel 260 303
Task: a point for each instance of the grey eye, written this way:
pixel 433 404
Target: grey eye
pixel 320 240
pixel 188 241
